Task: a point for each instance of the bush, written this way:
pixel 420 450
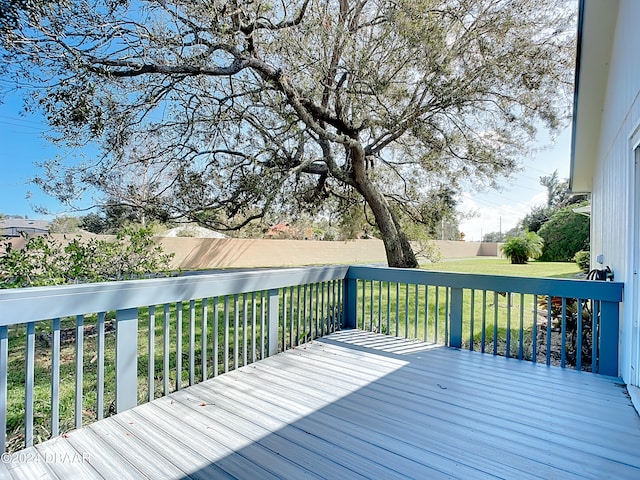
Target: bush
pixel 583 259
pixel 45 261
pixel 564 235
pixel 523 247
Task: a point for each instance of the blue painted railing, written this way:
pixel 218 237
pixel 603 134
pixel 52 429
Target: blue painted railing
pixel 566 322
pixel 70 355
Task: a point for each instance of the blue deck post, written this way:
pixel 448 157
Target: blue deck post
pixel 350 303
pixel 455 318
pixel 609 318
pixel 126 359
pixel 273 320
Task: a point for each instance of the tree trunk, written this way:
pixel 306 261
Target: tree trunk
pixel 397 246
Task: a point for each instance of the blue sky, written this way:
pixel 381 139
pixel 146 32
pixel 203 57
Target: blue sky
pixel 22 146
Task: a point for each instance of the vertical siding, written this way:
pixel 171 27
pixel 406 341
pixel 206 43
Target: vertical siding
pixel 613 215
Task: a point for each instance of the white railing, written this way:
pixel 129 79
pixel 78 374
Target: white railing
pixel 94 349
pixel 70 355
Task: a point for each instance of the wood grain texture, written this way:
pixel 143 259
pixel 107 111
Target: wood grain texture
pixel 357 405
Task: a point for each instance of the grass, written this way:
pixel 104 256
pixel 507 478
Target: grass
pixel 502 266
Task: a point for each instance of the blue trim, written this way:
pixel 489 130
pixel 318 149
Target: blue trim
pixel 606 291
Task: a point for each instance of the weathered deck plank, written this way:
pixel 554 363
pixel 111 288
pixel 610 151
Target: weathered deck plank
pixel 360 405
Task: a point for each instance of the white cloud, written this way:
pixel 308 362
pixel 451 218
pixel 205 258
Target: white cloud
pixel 494 215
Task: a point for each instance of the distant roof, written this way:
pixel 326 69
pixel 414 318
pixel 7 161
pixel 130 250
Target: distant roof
pixel 13 227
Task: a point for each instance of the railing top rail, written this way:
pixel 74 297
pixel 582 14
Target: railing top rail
pixel 43 303
pixel 559 287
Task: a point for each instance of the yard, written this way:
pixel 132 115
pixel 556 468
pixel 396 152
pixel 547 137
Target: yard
pixel 502 266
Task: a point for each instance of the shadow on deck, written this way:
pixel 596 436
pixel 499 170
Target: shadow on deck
pixel 361 405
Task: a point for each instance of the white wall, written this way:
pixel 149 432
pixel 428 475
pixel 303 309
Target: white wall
pixel 613 214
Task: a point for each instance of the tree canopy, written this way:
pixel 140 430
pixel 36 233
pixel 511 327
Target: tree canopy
pixel 220 111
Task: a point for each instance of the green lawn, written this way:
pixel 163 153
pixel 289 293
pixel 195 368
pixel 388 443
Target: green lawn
pixel 502 266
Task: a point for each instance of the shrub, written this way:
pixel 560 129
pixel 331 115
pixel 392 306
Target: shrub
pixel 564 235
pixel 583 259
pixel 523 247
pixel 45 261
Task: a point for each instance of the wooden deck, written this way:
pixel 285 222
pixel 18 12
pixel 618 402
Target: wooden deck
pixel 361 405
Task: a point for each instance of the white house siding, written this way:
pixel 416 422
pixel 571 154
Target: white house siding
pixel 613 214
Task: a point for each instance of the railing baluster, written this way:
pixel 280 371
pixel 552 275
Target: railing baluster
pixel 253 326
pixel 331 303
pixel 263 316
pixel 204 339
pixel 437 314
pixel 236 326
pixel 534 347
pixel 245 326
pixel 79 369
pixel 192 342
pixel 291 318
pixel 364 285
pixel 521 335
pixel 216 340
pixel 495 323
pixel 323 318
pixel 337 306
pixel 549 320
pixel 178 345
pixel 406 310
pixel 397 309
pixel 371 302
pixel 483 334
pixel 563 330
pixel 225 341
pixel 388 308
pixel 447 316
pixel 316 305
pixel 100 369
pixel 304 317
pixel 472 318
pixel 29 383
pixel 166 337
pixel 508 339
pixel 309 333
pixel 4 371
pixel 298 315
pixel 284 319
pixel 55 377
pixel 415 312
pixel 379 326
pixel 151 353
pixel 340 323
pixel 578 345
pixel 426 312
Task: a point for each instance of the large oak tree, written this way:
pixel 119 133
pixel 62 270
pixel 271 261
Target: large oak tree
pixel 232 109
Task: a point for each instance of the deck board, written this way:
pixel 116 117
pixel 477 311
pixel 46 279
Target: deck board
pixel 358 405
